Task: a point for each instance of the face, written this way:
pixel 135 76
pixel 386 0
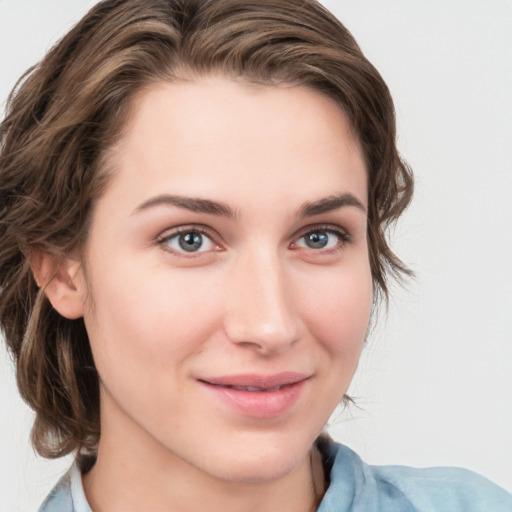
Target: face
pixel 228 286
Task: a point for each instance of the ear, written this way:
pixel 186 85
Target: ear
pixel 61 280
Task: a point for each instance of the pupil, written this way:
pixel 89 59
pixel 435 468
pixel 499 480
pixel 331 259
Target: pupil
pixel 190 241
pixel 317 240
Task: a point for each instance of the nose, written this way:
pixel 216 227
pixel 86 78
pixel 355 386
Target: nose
pixel 260 311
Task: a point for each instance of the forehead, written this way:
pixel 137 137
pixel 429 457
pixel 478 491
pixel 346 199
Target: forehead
pixel 190 136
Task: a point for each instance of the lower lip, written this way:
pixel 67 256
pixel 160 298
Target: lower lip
pixel 259 404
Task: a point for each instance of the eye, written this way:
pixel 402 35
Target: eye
pixel 187 241
pixel 322 238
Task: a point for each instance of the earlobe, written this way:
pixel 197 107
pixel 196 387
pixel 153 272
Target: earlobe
pixel 61 281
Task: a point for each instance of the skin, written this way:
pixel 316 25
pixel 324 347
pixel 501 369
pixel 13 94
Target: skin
pixel 255 299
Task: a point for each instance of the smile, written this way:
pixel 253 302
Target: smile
pixel 258 396
pixel 257 389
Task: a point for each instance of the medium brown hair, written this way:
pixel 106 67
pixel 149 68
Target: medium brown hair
pixel 69 110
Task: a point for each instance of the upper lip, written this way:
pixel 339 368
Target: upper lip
pixel 256 380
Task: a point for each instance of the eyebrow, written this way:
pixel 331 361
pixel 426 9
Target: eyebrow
pixel 200 205
pixel 330 204
pixel 194 204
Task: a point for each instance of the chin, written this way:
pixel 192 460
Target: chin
pixel 258 463
pixel 255 472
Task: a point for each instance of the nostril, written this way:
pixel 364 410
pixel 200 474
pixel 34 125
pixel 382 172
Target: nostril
pixel 260 310
pixel 263 337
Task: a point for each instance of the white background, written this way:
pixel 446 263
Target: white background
pixel 435 383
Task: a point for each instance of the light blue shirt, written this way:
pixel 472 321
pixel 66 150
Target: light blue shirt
pixel 357 487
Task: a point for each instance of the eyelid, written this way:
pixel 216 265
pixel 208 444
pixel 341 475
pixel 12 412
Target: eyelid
pixel 343 235
pixel 163 237
pixel 333 228
pixel 340 232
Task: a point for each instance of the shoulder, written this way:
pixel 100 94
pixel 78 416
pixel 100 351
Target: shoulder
pixel 68 495
pixel 59 499
pixel 446 488
pixel 356 486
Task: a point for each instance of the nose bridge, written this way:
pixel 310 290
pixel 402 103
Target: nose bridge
pixel 260 308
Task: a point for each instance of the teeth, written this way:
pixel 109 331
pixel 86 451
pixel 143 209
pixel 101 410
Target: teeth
pixel 253 388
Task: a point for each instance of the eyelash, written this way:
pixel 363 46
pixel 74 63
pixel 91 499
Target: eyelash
pixel 342 235
pixel 343 238
pixel 182 230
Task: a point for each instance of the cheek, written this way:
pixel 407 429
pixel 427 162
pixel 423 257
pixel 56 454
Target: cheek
pixel 141 322
pixel 337 308
pixel 144 332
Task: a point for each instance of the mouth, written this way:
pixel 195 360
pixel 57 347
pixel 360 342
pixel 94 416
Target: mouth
pixel 258 396
pixel 253 388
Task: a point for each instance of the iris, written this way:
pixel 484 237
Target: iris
pixel 190 241
pixel 317 239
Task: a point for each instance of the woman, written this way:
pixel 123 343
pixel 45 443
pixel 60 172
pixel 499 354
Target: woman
pixel 194 198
